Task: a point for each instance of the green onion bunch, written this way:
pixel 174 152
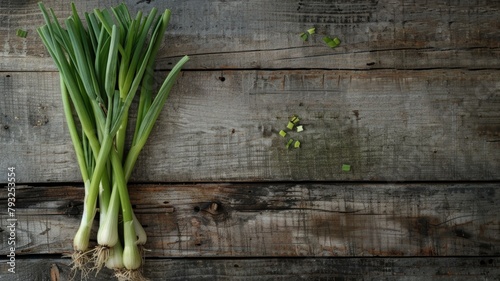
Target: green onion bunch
pixel 104 60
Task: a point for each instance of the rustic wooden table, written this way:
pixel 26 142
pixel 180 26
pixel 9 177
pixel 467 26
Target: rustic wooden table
pixel 410 99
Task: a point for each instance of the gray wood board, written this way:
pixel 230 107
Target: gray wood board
pixel 278 220
pixel 456 269
pixel 388 125
pixel 260 34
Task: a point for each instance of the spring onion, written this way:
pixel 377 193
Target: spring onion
pixel 282 133
pixel 289 143
pixel 290 125
pixel 102 66
pixel 300 128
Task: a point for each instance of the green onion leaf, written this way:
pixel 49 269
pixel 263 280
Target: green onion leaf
pixel 289 143
pixel 346 167
pixel 300 128
pixel 290 125
pixel 282 133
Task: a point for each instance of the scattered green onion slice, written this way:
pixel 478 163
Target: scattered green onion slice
pixel 332 43
pixel 22 33
pixel 292 121
pixel 305 35
pixel 346 167
pixel 296 144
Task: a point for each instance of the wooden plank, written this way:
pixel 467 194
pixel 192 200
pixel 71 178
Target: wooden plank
pixel 223 126
pixel 456 269
pixel 279 220
pixel 265 34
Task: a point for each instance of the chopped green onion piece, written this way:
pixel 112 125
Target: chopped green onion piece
pixel 346 167
pixel 290 141
pixel 22 33
pixel 300 128
pixel 290 125
pixel 305 35
pixel 296 144
pixel 332 43
pixel 282 133
pixel 295 120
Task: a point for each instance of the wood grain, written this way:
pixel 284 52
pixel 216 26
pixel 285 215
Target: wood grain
pixel 443 269
pixel 223 126
pixel 279 220
pixel 261 34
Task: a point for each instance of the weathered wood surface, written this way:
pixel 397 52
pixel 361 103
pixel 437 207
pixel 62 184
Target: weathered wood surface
pixel 389 125
pixel 456 269
pixel 265 34
pixel 412 94
pixel 440 124
pixel 280 220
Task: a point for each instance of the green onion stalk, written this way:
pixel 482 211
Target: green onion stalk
pixel 103 64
